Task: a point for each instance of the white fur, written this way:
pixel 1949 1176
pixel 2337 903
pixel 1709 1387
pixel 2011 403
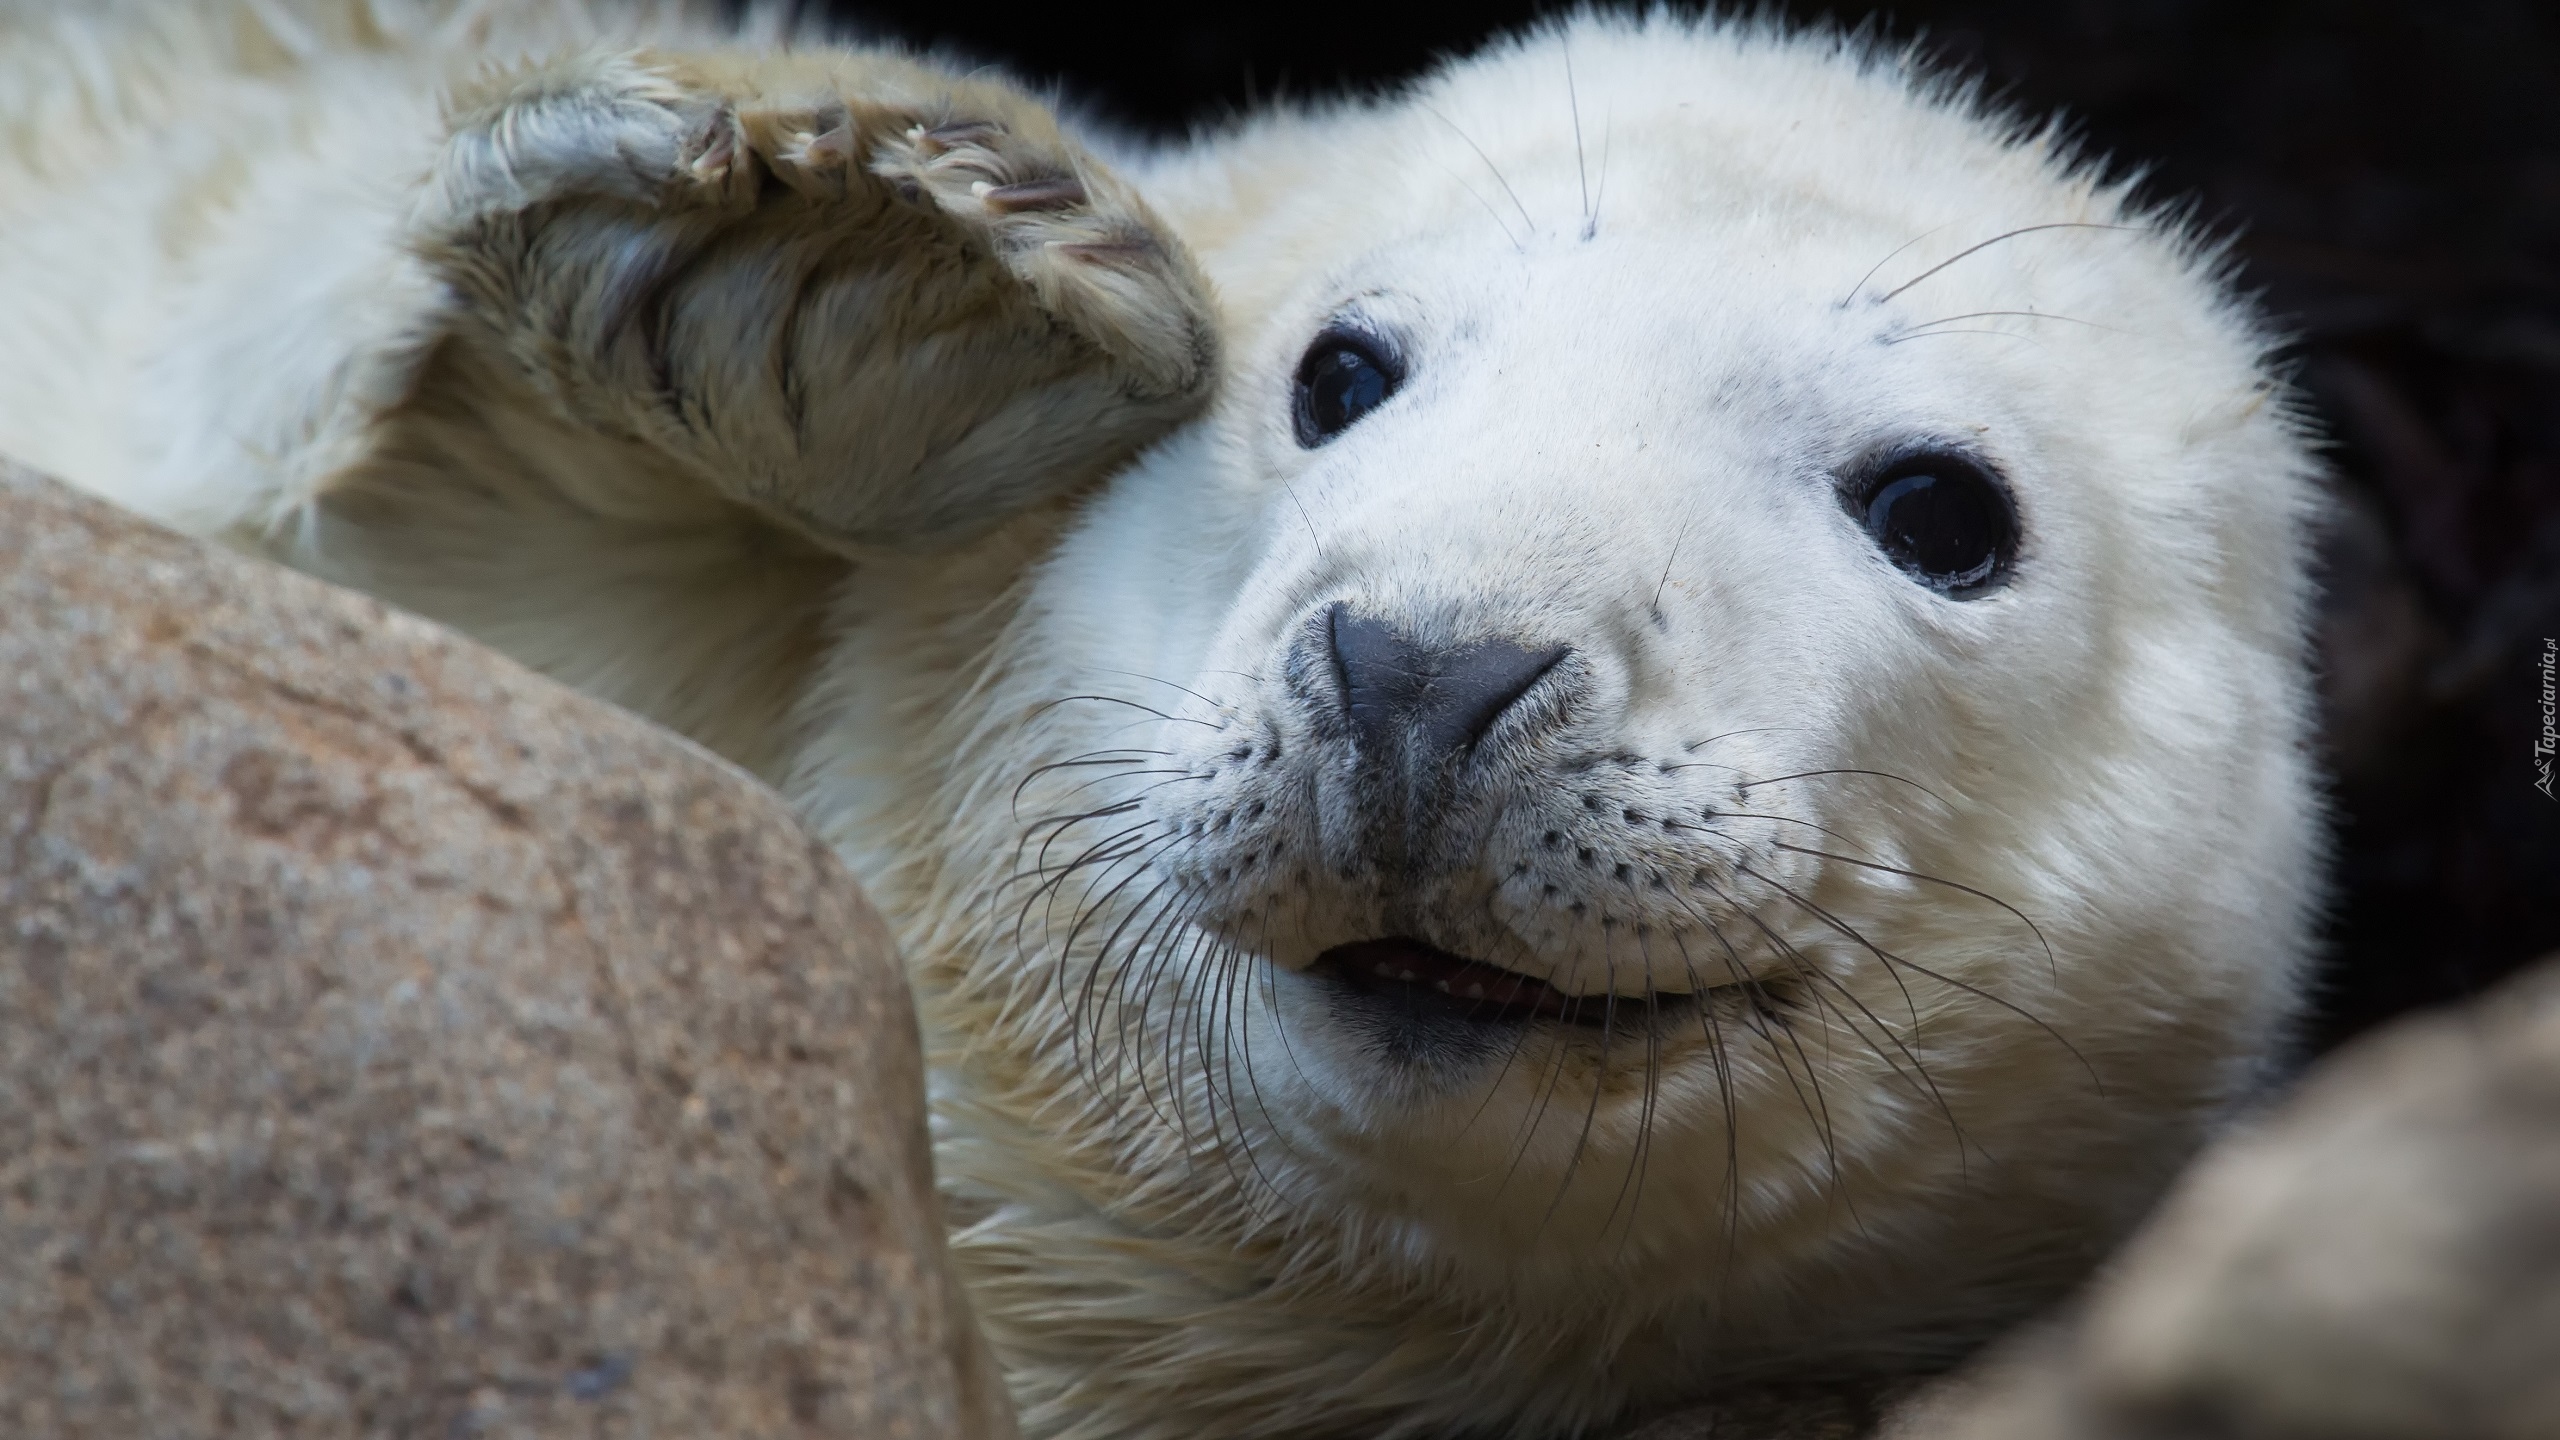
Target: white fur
pixel 1622 431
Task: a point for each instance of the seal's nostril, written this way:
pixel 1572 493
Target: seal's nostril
pixel 1440 701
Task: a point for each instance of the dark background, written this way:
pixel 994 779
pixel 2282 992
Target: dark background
pixel 2393 172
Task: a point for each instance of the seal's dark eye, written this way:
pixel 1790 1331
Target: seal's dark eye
pixel 1943 519
pixel 1343 378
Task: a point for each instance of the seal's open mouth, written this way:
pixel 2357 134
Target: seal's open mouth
pixel 1426 978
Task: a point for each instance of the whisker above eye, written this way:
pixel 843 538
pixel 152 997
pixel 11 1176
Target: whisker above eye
pixel 2002 238
pixel 1887 260
pixel 1488 164
pixel 2021 314
pixel 1910 335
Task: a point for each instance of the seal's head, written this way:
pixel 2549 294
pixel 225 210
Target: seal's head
pixel 1700 766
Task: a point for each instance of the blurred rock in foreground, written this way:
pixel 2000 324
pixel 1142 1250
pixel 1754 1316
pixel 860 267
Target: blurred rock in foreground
pixel 2379 1259
pixel 394 1043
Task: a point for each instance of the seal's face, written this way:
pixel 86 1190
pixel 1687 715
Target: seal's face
pixel 1640 768
pixel 1580 739
pixel 1590 607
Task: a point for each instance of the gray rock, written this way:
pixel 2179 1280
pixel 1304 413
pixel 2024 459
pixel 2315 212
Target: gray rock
pixel 395 1043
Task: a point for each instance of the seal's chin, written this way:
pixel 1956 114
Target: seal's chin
pixel 1423 982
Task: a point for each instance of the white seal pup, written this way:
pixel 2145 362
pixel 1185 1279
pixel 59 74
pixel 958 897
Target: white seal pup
pixel 1630 719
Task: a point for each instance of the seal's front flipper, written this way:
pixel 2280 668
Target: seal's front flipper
pixel 882 306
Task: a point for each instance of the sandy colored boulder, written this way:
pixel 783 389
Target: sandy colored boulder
pixel 394 1043
pixel 2379 1259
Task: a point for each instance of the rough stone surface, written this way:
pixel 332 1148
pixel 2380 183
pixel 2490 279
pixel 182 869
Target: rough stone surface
pixel 2379 1259
pixel 394 1043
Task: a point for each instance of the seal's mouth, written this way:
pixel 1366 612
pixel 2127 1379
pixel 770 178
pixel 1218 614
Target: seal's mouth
pixel 1425 978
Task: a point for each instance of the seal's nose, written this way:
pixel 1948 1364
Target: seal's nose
pixel 1436 702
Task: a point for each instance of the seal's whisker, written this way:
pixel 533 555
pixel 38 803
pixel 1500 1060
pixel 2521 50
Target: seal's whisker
pixel 1694 746
pixel 1499 223
pixel 1221 706
pixel 1893 962
pixel 1087 906
pixel 1056 976
pixel 1051 888
pixel 2051 963
pixel 1180 1038
pixel 1109 850
pixel 2020 314
pixel 1536 1115
pixel 1218 1059
pixel 1917 1076
pixel 1233 1019
pixel 1581 172
pixel 1844 300
pixel 1723 1065
pixel 1093 974
pixel 1640 1156
pixel 1219 1056
pixel 1258 957
pixel 1600 192
pixel 1089 758
pixel 1132 986
pixel 1817 1106
pixel 1079 789
pixel 1098 1003
pixel 1173 953
pixel 1873 774
pixel 1118 700
pixel 1271 994
pixel 1058 827
pixel 1105 851
pixel 1961 330
pixel 1678 538
pixel 1780 819
pixel 1519 1039
pixel 1488 164
pixel 1599 1079
pixel 1909 1003
pixel 1130 1000
pixel 1972 250
pixel 1890 963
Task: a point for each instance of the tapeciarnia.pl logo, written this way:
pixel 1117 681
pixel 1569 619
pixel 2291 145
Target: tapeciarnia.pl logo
pixel 2543 747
